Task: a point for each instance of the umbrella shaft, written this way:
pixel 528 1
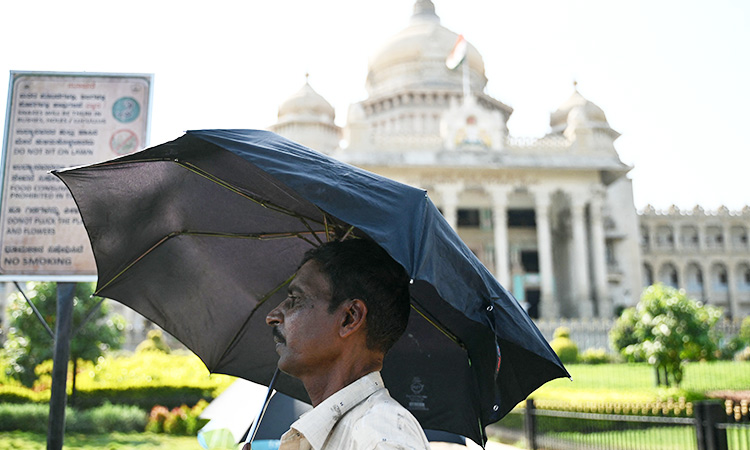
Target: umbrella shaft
pixel 256 423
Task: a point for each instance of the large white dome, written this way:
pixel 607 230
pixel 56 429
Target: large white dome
pixel 415 58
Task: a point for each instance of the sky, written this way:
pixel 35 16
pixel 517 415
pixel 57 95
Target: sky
pixel 672 76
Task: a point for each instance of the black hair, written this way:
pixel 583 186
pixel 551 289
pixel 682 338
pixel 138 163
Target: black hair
pixel 361 269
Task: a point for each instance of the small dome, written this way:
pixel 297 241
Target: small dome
pixel 415 57
pixel 577 111
pixel 306 102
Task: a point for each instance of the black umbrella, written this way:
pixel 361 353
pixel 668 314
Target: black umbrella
pixel 202 234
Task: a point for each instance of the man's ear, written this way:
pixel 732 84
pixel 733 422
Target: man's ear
pixel 355 313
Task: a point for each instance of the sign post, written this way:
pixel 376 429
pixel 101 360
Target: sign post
pixel 58 395
pixel 56 120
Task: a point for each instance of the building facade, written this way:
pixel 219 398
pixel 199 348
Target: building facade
pixel 552 217
pixel 705 253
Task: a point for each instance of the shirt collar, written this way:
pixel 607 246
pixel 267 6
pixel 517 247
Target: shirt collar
pixel 317 424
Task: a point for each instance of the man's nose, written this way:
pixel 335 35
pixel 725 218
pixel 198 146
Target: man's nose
pixel 274 317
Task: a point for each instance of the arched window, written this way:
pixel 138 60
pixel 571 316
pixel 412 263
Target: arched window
pixel 668 275
pixel 743 277
pixel 648 275
pixel 694 278
pixel 719 278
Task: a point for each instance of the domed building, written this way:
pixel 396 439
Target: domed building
pixel 308 118
pixel 552 217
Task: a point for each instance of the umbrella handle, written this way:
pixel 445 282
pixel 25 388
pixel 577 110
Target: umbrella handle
pixel 256 424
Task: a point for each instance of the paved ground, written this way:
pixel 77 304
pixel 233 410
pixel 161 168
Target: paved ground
pixel 491 445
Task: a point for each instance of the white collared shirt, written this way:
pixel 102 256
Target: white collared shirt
pixel 361 416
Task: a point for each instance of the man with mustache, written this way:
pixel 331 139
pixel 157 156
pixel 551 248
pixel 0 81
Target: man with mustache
pixel 346 307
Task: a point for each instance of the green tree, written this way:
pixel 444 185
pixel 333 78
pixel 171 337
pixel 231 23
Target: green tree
pixel 665 329
pixel 29 343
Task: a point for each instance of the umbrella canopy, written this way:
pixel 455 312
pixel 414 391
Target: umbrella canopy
pixel 202 234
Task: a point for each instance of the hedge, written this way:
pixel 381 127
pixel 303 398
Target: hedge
pixel 103 419
pixel 144 396
pixel 20 394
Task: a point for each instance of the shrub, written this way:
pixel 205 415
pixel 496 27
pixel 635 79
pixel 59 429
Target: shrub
pixel 27 417
pixel 105 419
pixel 176 421
pixel 743 355
pixel 595 356
pixel 21 394
pixel 730 348
pixel 143 396
pixel 665 329
pixel 181 420
pixel 154 342
pixel 108 418
pixel 143 380
pixel 156 419
pixel 565 348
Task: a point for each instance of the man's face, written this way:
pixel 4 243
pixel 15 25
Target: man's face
pixel 306 334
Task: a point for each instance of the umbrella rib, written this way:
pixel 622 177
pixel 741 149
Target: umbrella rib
pixel 438 325
pixel 132 263
pixel 330 228
pixel 260 303
pixel 213 178
pixel 315 235
pixel 264 203
pixel 257 236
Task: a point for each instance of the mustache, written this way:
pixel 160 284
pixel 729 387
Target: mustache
pixel 277 334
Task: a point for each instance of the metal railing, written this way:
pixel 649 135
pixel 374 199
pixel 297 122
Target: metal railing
pixel 711 428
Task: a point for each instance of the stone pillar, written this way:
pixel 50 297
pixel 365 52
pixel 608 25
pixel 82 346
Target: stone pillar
pixel 547 306
pixel 652 239
pixel 726 240
pixel 734 305
pixel 702 237
pixel 580 261
pixel 599 255
pixel 681 267
pixel 449 201
pixel 499 196
pixel 708 279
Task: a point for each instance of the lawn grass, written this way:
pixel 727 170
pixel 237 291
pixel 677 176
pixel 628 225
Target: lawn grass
pixel 656 438
pixel 636 382
pixel 659 438
pixel 19 440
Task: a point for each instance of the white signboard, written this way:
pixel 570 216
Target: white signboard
pixel 57 120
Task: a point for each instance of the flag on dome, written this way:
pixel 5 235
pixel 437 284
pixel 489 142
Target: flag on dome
pixel 458 54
